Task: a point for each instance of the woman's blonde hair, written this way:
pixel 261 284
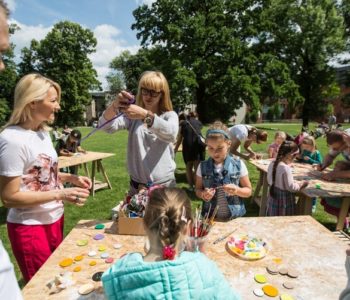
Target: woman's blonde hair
pixel 31 87
pixel 309 140
pixel 167 214
pixel 155 80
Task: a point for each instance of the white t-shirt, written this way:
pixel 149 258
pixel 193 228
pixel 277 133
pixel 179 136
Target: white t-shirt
pixel 9 288
pixel 220 167
pixel 240 132
pixel 31 155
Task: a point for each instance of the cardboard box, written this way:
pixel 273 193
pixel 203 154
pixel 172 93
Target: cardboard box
pixel 126 225
pixel 132 226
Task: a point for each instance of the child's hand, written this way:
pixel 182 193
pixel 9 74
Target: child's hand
pixel 329 176
pixel 306 158
pixel 304 184
pixel 252 156
pixel 230 189
pixel 208 194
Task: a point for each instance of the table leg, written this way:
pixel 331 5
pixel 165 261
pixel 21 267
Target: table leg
pixel 258 188
pixel 93 170
pixel 304 206
pixel 102 170
pixel 344 208
pixel 263 204
pixel 86 170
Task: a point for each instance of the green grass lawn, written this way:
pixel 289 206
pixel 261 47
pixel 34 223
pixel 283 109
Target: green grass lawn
pixel 100 206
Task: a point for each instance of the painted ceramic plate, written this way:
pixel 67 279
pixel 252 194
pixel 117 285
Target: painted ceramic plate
pixel 247 247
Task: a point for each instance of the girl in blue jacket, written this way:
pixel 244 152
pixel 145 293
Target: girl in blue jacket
pixel 166 271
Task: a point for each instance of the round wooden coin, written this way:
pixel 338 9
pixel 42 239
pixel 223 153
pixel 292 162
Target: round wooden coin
pixel 286 297
pixel 288 285
pixel 78 258
pixel 99 236
pixel 259 278
pixel 97 276
pixel 82 242
pixel 270 290
pixel 109 260
pixel 283 271
pixel 77 269
pixel 102 248
pixel 293 273
pixel 117 246
pixel 99 226
pixel 66 262
pixel 86 289
pixel 258 292
pixel 92 263
pixel 92 253
pixel 272 269
pixel 104 255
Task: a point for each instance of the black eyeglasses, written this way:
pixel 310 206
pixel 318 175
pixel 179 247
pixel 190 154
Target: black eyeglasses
pixel 152 93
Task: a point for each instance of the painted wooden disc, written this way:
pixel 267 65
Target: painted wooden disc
pixel 270 290
pixel 86 289
pixel 66 262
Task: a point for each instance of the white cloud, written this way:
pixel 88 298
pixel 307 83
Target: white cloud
pixel 147 2
pixel 109 45
pixel 21 38
pixel 11 4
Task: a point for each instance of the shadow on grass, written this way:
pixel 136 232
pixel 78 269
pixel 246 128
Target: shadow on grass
pixel 3 215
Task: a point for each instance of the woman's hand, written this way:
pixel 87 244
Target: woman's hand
pixel 75 195
pixel 81 181
pixel 134 112
pixel 208 194
pixel 122 101
pixel 230 189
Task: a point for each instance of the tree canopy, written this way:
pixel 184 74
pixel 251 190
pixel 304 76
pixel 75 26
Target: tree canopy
pixel 63 56
pixel 220 53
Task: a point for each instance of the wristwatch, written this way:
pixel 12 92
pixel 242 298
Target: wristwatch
pixel 148 120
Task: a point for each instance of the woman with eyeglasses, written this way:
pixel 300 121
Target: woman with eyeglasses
pixel 153 128
pixel 283 187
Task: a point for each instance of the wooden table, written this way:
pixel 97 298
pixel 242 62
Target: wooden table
pixel 83 159
pixel 330 189
pixel 299 241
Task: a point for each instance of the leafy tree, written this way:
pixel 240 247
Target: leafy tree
pixel 115 82
pixel 305 35
pixel 8 79
pixel 208 42
pixel 63 56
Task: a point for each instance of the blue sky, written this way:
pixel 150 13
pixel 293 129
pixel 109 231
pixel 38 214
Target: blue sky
pixel 110 20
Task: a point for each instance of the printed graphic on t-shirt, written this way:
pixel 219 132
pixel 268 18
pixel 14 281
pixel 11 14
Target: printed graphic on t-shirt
pixel 42 176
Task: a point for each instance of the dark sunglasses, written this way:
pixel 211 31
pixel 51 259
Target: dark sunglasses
pixel 152 93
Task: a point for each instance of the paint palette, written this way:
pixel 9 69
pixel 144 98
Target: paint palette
pixel 247 247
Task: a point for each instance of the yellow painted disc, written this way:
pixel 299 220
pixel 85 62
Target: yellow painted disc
pixel 66 262
pixel 286 297
pixel 77 269
pixel 270 290
pixel 78 258
pixel 92 263
pixel 260 278
pixel 102 248
pixel 82 242
pixel 277 260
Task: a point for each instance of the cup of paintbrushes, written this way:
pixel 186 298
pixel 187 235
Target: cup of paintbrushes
pixel 195 244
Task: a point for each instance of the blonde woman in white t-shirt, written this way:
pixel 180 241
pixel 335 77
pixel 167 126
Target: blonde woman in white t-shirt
pixel 30 184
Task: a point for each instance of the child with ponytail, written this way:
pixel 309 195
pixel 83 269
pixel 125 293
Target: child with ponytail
pixel 281 200
pixel 166 271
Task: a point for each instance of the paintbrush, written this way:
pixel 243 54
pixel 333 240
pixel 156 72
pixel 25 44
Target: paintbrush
pixel 224 237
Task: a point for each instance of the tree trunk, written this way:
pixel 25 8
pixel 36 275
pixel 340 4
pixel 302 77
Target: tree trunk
pixel 201 104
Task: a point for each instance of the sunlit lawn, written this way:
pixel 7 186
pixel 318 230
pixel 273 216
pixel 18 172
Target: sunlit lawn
pixel 100 206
